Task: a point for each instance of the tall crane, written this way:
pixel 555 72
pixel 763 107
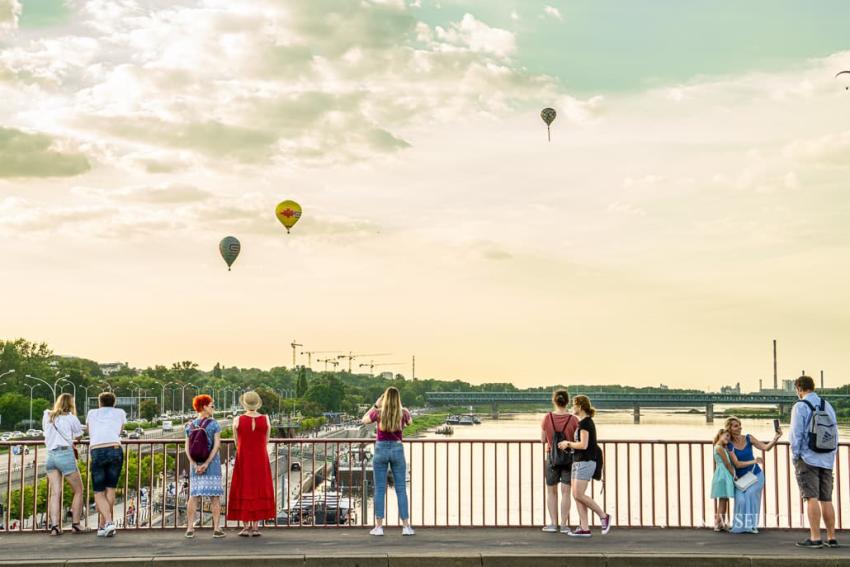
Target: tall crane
pixel 350 356
pixel 293 344
pixel 371 366
pixel 310 354
pixel 327 361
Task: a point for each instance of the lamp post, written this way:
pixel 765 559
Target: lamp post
pixel 31 387
pixel 162 397
pixel 86 403
pixel 74 386
pixel 12 371
pixel 183 398
pixel 46 383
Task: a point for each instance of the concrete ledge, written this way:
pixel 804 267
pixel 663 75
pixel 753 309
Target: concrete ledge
pixel 347 561
pixel 492 559
pixel 446 559
pixel 695 560
pixel 229 561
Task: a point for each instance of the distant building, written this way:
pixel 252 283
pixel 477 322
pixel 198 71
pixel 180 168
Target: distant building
pixel 110 368
pixel 736 389
pixel 387 375
pixel 788 386
pixel 664 386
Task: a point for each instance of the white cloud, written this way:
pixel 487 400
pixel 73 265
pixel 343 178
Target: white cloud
pixel 478 37
pixel 10 12
pixel 553 12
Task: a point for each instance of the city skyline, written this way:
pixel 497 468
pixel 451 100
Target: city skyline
pixel 690 207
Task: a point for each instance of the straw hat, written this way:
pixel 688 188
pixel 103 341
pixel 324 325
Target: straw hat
pixel 251 401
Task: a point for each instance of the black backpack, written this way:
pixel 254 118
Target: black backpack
pixel 558 457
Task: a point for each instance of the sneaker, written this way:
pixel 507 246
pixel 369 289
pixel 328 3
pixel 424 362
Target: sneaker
pixel 101 532
pixel 810 544
pixel 377 530
pixel 606 524
pixel 109 530
pixel 566 530
pixel 580 533
pixel 407 530
pixel 550 529
pixel 832 543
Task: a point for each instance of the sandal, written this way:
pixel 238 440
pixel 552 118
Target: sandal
pixel 245 533
pixel 218 534
pixel 190 534
pixel 76 528
pixel 55 531
pixel 255 533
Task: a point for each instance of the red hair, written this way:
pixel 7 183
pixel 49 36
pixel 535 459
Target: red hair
pixel 200 402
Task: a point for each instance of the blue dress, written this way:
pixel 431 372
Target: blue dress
pixel 722 485
pixel 209 483
pixel 745 518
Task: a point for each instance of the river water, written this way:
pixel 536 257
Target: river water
pixel 657 472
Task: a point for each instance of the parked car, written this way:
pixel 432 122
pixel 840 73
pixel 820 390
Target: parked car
pixel 135 435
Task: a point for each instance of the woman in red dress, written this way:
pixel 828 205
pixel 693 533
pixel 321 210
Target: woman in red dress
pixel 251 496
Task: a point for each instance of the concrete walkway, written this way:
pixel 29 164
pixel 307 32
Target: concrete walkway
pixel 430 547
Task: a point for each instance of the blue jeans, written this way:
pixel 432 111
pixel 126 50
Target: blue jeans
pixel 390 454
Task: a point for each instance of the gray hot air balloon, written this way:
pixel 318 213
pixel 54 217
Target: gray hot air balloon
pixel 229 248
pixel 548 115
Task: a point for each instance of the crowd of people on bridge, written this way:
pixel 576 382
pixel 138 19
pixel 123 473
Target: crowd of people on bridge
pixel 574 458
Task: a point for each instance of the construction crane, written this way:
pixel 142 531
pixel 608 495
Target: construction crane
pixel 293 344
pixel 327 361
pixel 371 366
pixel 310 354
pixel 351 357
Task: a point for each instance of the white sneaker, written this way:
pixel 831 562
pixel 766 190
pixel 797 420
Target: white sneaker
pixel 550 529
pixel 407 530
pixel 566 530
pixel 377 530
pixel 101 532
pixel 109 530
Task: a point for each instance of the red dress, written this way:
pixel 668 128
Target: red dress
pixel 251 492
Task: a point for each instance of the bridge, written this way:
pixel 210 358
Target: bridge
pixel 618 400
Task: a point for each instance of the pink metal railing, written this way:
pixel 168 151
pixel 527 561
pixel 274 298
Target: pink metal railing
pixel 451 483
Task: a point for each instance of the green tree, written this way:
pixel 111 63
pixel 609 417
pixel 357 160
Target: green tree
pixel 301 389
pixel 148 409
pixel 328 392
pixel 216 371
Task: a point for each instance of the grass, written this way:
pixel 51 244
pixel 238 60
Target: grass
pixel 425 422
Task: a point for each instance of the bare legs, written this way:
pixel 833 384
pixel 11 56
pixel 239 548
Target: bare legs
pixel 55 509
pixel 104 502
pixel 552 504
pixel 815 510
pixel 192 506
pixel 722 511
pixel 585 502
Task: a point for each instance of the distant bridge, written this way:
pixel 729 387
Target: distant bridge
pixel 620 400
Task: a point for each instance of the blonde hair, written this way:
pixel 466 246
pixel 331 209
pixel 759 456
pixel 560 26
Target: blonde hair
pixel 63 404
pixel 251 401
pixel 728 423
pixel 584 403
pixel 391 411
pixel 717 436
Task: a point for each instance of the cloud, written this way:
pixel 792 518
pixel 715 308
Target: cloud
pixel 168 194
pixel 829 150
pixel 553 12
pixel 10 13
pixel 36 155
pixel 478 37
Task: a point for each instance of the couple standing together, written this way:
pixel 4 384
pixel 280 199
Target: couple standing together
pixel 573 459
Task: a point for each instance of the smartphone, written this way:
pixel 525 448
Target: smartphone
pixel 776 425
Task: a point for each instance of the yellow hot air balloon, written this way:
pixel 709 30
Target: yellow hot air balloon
pixel 288 213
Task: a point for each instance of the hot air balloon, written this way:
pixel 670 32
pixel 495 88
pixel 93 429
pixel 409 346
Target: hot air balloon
pixel 838 74
pixel 288 213
pixel 548 115
pixel 229 248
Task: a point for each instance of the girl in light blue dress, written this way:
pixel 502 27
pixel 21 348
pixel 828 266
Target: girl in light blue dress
pixel 723 483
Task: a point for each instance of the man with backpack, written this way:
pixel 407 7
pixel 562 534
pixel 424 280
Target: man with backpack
pixel 814 443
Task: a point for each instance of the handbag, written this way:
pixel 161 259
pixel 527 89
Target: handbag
pixel 73 445
pixel 744 482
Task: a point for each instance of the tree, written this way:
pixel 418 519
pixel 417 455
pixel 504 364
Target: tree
pixel 302 383
pixel 328 392
pixel 148 409
pixel 270 400
pixel 216 371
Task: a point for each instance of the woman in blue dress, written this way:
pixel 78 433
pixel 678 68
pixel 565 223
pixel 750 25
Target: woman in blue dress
pixel 205 478
pixel 747 502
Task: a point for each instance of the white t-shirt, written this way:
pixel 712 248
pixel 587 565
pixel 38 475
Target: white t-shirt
pixel 68 427
pixel 105 425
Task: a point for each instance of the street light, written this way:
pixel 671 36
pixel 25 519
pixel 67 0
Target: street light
pixel 72 385
pixel 162 397
pixel 46 383
pixel 183 398
pixel 86 402
pixel 31 387
pixel 12 371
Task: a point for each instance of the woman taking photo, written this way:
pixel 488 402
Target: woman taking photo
pixel 392 418
pixel 587 455
pixel 251 492
pixel 561 423
pixel 745 518
pixel 204 465
pixel 61 426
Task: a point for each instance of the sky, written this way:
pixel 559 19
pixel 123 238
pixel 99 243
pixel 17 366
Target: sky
pixel 690 207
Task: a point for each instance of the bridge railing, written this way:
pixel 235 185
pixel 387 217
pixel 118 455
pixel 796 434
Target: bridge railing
pixel 450 483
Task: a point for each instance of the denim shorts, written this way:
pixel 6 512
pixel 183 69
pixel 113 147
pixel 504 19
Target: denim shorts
pixel 106 463
pixel 583 470
pixel 61 460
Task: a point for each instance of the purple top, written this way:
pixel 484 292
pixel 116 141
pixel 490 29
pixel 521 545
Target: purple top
pixel 375 415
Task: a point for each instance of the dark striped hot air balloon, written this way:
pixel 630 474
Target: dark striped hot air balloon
pixel 548 115
pixel 229 248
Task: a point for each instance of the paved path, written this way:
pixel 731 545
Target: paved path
pixel 434 547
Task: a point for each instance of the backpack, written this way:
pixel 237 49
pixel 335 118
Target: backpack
pixel 823 431
pixel 600 463
pixel 199 442
pixel 558 457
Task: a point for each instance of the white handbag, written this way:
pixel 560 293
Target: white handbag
pixel 744 482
